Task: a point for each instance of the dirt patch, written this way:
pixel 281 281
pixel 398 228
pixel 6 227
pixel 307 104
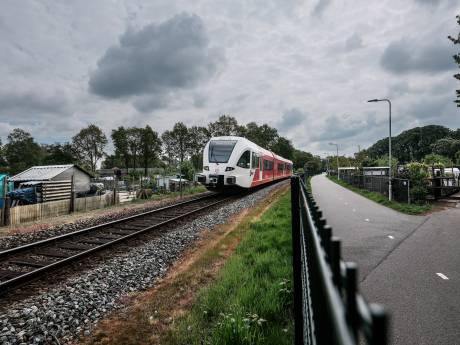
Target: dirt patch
pixel 149 315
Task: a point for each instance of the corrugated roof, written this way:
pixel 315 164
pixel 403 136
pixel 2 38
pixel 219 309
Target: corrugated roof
pixel 41 173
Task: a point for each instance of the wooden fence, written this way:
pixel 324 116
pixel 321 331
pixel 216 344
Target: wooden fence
pixel 29 213
pixel 93 202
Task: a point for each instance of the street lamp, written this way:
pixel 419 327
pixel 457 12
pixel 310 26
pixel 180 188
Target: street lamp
pixel 389 143
pixel 337 146
pixel 327 163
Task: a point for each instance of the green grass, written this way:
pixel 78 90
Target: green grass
pixel 250 302
pixel 383 200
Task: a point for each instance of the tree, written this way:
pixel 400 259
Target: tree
pixel 2 155
pixel 225 125
pixel 21 151
pixel 435 160
pixel 456 40
pixel 410 145
pixel 150 146
pixel 58 154
pixel 120 141
pixel 88 146
pixel 284 148
pixel 264 136
pixel 300 158
pixel 134 140
pixel 446 147
pixel 198 137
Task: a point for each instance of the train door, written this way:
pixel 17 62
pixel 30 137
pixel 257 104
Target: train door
pixel 255 168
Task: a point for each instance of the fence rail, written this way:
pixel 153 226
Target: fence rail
pixel 327 306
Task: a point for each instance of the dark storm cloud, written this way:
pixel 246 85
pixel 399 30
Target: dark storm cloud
pixel 406 55
pixel 159 58
pixel 291 118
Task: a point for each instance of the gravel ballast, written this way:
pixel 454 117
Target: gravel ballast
pixel 22 238
pixel 72 307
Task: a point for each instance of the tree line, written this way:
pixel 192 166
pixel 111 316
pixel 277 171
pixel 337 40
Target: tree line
pixel 143 147
pixel 432 145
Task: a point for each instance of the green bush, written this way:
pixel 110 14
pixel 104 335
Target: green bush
pixel 418 175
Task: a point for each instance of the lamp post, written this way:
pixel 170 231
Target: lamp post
pixel 327 163
pixel 389 143
pixel 337 147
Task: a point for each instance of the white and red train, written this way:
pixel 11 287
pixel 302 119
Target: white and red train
pixel 230 162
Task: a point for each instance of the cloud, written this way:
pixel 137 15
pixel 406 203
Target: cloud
pixel 321 6
pixel 35 101
pixel 407 55
pixel 291 118
pixel 156 60
pixel 353 42
pixel 337 127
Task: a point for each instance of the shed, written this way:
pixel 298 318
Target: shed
pixel 376 171
pixel 55 173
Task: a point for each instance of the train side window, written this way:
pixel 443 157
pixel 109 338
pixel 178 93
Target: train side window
pixel 255 161
pixel 245 160
pixel 268 165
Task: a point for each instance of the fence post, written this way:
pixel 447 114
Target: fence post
pixel 379 324
pixel 5 186
pixel 72 196
pixel 6 212
pixel 335 262
pixel 351 288
pixel 296 260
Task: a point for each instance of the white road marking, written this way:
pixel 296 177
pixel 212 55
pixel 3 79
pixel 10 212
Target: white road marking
pixel 367 219
pixel 443 276
pixel 392 237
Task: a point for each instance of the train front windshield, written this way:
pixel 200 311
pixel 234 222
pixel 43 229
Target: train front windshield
pixel 220 150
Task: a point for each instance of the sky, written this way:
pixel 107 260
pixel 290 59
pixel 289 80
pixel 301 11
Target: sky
pixel 304 67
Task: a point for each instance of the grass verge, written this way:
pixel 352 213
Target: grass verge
pixel 239 271
pixel 251 300
pixel 412 209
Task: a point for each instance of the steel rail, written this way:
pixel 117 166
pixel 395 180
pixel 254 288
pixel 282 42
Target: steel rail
pixel 9 284
pixel 24 247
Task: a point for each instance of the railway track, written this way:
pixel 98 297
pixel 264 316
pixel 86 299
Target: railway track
pixel 24 263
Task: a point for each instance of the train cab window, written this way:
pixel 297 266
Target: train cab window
pixel 220 150
pixel 255 161
pixel 268 165
pixel 245 160
pixel 281 167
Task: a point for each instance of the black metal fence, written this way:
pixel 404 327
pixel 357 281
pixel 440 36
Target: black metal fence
pixel 328 308
pixel 379 184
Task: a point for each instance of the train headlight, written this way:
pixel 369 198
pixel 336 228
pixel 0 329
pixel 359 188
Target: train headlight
pixel 229 168
pixel 206 168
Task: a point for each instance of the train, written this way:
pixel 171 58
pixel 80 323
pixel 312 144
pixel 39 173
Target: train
pixel 235 163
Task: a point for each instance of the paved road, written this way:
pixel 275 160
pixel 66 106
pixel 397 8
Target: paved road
pixel 399 257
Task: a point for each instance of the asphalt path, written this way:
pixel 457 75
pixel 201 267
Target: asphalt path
pixel 411 264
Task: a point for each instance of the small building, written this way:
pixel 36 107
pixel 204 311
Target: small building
pixel 376 171
pixel 55 173
pixel 347 172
